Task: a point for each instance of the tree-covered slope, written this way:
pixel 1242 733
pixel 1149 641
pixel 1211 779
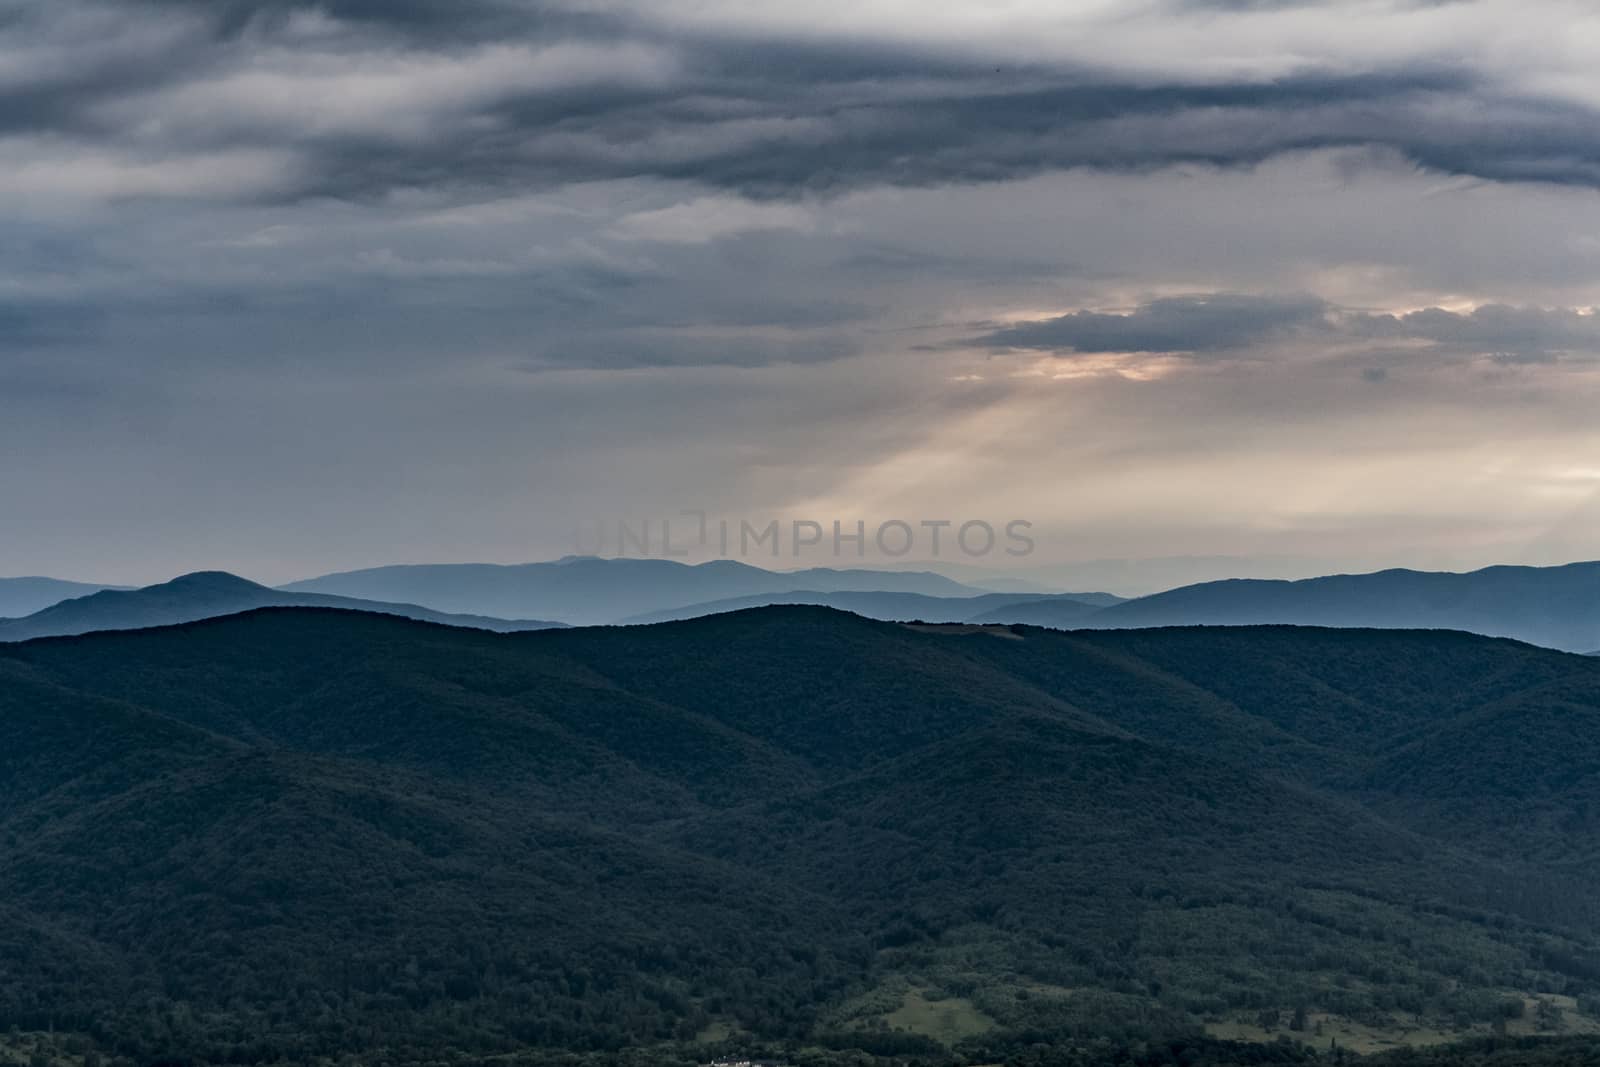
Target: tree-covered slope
pixel 297 832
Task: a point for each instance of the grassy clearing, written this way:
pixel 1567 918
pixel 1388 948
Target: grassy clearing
pixel 1404 1030
pixel 899 1005
pixel 946 1021
pixel 717 1031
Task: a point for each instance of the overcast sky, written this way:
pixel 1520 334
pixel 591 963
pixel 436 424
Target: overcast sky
pixel 290 287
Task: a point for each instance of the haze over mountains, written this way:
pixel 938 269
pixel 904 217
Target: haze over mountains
pixel 294 833
pixel 902 607
pixel 586 590
pixel 207 595
pixel 24 596
pixel 1558 607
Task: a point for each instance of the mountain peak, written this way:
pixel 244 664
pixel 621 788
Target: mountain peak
pixel 211 581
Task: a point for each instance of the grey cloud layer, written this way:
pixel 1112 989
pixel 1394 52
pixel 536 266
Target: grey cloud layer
pixel 1224 323
pixel 356 98
pixel 1509 334
pixel 1198 324
pixel 294 280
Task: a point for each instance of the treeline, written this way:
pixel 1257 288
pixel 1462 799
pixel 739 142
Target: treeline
pixel 66 1050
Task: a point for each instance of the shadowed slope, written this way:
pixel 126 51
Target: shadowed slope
pixel 321 831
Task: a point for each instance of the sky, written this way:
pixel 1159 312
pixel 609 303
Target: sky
pixel 289 287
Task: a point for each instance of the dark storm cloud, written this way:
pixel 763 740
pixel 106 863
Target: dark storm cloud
pixel 399 307
pixel 436 106
pixel 1219 324
pixel 60 67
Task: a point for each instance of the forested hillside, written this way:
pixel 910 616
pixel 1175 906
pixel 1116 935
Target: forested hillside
pixel 302 833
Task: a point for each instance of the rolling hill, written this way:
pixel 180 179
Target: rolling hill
pixel 900 607
pixel 206 595
pixel 1558 607
pixel 1062 612
pixel 24 596
pixel 295 833
pixel 586 590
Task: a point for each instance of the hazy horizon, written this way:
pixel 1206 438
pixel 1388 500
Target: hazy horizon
pixel 1127 578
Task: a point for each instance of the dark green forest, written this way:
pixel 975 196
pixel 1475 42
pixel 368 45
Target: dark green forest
pixel 797 835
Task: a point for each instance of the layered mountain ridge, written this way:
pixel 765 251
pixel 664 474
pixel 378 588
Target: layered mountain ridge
pixel 210 594
pixel 1557 607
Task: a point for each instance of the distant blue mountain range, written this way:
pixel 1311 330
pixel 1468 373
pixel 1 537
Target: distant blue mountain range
pixel 1558 607
pixel 24 596
pixel 909 607
pixel 585 590
pixel 209 595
